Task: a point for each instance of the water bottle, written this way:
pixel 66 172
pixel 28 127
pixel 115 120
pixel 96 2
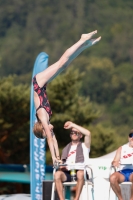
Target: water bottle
pixel 73 175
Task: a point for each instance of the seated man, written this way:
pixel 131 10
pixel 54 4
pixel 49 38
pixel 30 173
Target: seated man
pixel 74 153
pixel 124 156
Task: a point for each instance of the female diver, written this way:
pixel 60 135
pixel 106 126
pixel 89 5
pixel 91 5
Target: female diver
pixel 42 127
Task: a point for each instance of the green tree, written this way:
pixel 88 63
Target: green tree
pixel 14 121
pixel 68 104
pixel 104 140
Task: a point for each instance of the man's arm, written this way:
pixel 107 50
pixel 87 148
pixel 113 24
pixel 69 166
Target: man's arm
pixel 84 131
pixel 116 161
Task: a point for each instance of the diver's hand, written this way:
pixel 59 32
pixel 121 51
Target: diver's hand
pixel 56 163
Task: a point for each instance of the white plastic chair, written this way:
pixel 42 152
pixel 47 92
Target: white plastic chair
pixel 87 183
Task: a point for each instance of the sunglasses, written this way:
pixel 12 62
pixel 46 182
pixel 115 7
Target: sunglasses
pixel 130 135
pixel 74 132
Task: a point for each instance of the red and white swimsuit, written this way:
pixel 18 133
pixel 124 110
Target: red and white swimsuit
pixel 44 103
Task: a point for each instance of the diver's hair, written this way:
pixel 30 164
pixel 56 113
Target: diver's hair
pixel 38 130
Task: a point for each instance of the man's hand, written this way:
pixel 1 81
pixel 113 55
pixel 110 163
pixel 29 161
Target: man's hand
pixel 116 163
pixel 68 125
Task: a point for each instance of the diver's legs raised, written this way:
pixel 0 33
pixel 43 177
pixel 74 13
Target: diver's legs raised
pixel 70 54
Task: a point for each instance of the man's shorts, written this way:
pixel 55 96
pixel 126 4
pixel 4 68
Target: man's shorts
pixel 68 175
pixel 126 173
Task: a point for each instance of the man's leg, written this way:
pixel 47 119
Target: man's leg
pixel 80 183
pixel 115 179
pixel 60 177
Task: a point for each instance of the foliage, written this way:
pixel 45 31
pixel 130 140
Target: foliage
pixel 98 96
pixel 104 140
pixel 110 87
pixel 14 109
pixel 67 104
pixel 14 121
pixel 28 27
